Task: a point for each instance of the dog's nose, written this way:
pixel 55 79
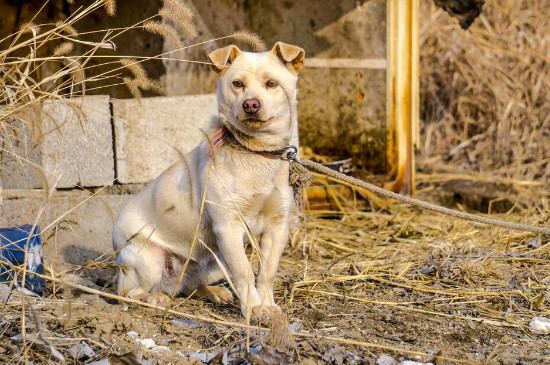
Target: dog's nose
pixel 251 106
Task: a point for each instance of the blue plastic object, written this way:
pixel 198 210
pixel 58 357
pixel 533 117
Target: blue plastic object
pixel 13 243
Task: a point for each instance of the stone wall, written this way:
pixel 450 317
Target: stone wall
pixel 341 110
pixel 103 150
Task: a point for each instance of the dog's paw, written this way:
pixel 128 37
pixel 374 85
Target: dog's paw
pixel 262 312
pixel 216 294
pixel 158 299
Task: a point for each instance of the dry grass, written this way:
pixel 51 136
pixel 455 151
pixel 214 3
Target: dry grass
pixel 390 280
pixel 394 280
pixel 485 96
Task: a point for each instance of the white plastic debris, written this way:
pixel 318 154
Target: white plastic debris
pixel 149 344
pixel 540 324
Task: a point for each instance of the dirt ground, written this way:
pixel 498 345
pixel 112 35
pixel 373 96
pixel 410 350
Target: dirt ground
pixel 357 287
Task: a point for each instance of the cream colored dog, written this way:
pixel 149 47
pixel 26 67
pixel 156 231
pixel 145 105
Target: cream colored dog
pixel 247 187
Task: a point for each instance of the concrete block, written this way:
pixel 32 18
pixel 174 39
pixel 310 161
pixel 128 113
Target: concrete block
pixel 351 119
pixel 74 139
pixel 82 234
pixel 152 133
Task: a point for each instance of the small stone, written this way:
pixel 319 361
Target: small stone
pixel 540 325
pixel 386 360
pixel 81 351
pixel 535 242
pixel 427 269
pixel 295 326
pixel 340 356
pixel 101 362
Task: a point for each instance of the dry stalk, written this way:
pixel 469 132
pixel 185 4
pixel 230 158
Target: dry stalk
pixel 484 101
pixel 250 38
pixel 167 32
pixel 230 324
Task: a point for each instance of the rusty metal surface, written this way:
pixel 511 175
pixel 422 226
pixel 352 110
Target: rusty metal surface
pixel 402 92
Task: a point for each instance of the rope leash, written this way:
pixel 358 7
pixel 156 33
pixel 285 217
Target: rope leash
pixel 316 167
pixel 299 178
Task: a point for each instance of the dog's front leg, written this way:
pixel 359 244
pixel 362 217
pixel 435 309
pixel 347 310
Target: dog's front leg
pixel 231 246
pixel 273 242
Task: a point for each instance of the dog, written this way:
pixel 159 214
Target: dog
pixel 233 185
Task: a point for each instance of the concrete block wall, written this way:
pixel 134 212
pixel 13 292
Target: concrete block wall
pixel 149 135
pixel 74 140
pixel 76 228
pixel 152 133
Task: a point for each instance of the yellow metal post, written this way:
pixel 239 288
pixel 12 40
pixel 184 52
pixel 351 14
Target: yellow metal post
pixel 402 91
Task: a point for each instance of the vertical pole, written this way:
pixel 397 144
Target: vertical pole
pixel 402 91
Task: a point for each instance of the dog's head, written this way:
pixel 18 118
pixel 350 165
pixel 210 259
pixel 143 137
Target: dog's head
pixel 257 93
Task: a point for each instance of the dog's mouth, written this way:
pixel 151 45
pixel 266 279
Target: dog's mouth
pixel 253 121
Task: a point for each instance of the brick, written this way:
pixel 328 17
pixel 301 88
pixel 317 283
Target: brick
pixel 82 234
pixel 76 143
pixel 150 134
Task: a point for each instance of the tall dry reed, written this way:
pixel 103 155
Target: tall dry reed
pixel 485 92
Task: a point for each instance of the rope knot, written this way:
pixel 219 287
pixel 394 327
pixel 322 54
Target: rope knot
pixel 299 178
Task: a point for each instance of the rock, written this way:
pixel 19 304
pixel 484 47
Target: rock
pixel 204 357
pixel 427 269
pixel 101 362
pixel 540 325
pixel 339 356
pixel 81 351
pixel 386 360
pixel 535 242
pixel 411 362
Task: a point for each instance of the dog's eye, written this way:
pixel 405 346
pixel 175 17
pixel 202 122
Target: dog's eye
pixel 271 83
pixel 238 83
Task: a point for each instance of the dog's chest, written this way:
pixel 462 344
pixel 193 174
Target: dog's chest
pixel 261 191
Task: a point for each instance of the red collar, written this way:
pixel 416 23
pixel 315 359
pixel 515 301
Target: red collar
pixel 221 135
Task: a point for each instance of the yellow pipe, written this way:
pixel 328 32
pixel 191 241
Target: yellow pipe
pixel 402 91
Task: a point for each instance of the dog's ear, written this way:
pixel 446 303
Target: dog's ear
pixel 293 57
pixel 223 57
